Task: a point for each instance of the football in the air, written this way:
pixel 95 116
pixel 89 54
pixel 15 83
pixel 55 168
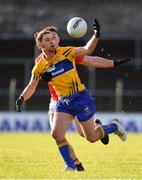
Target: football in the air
pixel 77 27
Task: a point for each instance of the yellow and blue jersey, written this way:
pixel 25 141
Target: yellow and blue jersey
pixel 65 79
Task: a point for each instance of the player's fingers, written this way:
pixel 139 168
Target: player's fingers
pixel 96 23
pixel 18 108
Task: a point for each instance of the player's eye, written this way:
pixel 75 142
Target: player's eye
pixel 47 39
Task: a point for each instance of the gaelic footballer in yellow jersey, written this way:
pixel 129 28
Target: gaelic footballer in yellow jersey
pixel 62 72
pixel 77 101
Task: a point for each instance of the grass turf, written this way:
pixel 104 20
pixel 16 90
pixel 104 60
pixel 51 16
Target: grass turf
pixel 35 156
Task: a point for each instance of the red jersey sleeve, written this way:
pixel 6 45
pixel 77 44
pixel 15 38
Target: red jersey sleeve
pixel 79 59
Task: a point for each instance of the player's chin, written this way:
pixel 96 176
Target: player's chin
pixel 53 48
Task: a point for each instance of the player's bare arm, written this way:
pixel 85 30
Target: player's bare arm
pixel 27 93
pixel 30 89
pixel 99 62
pixel 92 43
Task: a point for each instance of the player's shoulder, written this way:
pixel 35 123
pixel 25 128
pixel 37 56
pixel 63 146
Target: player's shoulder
pixel 39 58
pixel 40 63
pixel 65 50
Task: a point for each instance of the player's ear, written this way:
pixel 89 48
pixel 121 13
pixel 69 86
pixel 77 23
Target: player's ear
pixel 39 45
pixel 58 39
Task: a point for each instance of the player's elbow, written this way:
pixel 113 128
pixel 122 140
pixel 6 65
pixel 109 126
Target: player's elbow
pixel 89 51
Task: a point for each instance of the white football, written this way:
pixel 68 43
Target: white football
pixel 77 27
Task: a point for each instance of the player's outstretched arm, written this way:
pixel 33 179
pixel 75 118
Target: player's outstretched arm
pixel 99 62
pixel 92 43
pixel 26 94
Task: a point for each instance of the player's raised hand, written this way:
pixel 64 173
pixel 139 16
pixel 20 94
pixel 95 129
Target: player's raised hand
pixel 96 27
pixel 19 103
pixel 121 61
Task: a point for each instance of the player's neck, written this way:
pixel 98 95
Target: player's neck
pixel 49 54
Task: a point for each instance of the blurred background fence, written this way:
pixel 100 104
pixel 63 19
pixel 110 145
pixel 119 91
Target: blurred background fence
pixel 118 89
pixel 17 59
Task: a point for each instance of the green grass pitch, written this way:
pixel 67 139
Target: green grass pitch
pixel 35 156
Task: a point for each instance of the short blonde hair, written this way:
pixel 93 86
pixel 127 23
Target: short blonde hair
pixel 52 29
pixel 39 35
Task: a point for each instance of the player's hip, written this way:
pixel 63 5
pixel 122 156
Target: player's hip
pixel 79 104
